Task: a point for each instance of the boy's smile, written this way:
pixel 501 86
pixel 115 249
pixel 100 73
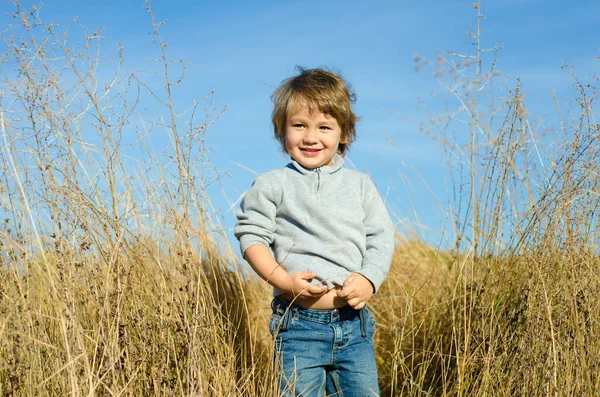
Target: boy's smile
pixel 311 140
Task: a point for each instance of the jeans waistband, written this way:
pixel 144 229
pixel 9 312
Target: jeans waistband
pixel 282 307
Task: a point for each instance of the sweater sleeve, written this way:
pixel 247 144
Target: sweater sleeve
pixel 256 216
pixel 379 231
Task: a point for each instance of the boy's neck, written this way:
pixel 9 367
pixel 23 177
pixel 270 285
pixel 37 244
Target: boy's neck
pixel 336 163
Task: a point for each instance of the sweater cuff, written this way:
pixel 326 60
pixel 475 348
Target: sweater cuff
pixel 374 274
pixel 248 240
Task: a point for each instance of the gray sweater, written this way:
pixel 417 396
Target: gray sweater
pixel 329 219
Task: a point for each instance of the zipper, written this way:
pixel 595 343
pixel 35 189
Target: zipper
pixel 318 170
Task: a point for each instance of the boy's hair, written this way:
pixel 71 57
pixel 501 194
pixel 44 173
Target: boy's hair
pixel 321 91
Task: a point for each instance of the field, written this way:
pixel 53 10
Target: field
pixel 116 278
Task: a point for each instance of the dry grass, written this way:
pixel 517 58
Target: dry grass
pixel 111 282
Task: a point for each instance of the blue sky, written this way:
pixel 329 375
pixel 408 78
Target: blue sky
pixel 244 49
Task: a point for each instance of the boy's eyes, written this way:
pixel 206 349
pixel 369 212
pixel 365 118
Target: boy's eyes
pixel 323 127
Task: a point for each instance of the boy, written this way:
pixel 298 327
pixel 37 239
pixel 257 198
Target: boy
pixel 331 237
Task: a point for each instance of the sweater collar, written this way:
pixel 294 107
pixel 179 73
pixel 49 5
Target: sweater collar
pixel 338 162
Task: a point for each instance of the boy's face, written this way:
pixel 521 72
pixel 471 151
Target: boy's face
pixel 311 140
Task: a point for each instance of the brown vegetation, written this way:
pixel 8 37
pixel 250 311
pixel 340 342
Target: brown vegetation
pixel 111 281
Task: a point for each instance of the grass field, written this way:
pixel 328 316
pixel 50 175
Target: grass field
pixel 114 278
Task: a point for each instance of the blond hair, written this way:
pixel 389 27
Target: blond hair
pixel 320 91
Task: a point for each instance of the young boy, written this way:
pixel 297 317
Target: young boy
pixel 321 236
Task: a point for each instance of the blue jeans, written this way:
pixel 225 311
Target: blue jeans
pixel 324 351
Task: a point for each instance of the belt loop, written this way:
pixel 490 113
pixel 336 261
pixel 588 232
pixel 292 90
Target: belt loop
pixel 287 318
pixel 363 322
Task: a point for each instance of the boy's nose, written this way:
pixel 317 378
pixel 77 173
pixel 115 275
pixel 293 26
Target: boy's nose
pixel 310 136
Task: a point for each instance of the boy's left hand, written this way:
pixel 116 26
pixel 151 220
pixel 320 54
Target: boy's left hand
pixel 357 290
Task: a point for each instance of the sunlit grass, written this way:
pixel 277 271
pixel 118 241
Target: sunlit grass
pixel 111 282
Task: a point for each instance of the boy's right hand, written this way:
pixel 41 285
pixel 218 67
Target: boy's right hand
pixel 294 284
pixel 300 286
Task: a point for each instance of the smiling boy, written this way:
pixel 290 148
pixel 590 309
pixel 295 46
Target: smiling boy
pixel 320 235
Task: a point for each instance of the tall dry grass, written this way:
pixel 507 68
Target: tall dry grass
pixel 515 310
pixel 113 280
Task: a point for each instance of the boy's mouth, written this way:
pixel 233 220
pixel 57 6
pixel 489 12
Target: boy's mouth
pixel 310 152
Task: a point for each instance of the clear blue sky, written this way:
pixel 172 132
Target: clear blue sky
pixel 246 48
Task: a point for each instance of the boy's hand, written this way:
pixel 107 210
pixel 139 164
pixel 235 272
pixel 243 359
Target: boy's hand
pixel 299 285
pixel 357 290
